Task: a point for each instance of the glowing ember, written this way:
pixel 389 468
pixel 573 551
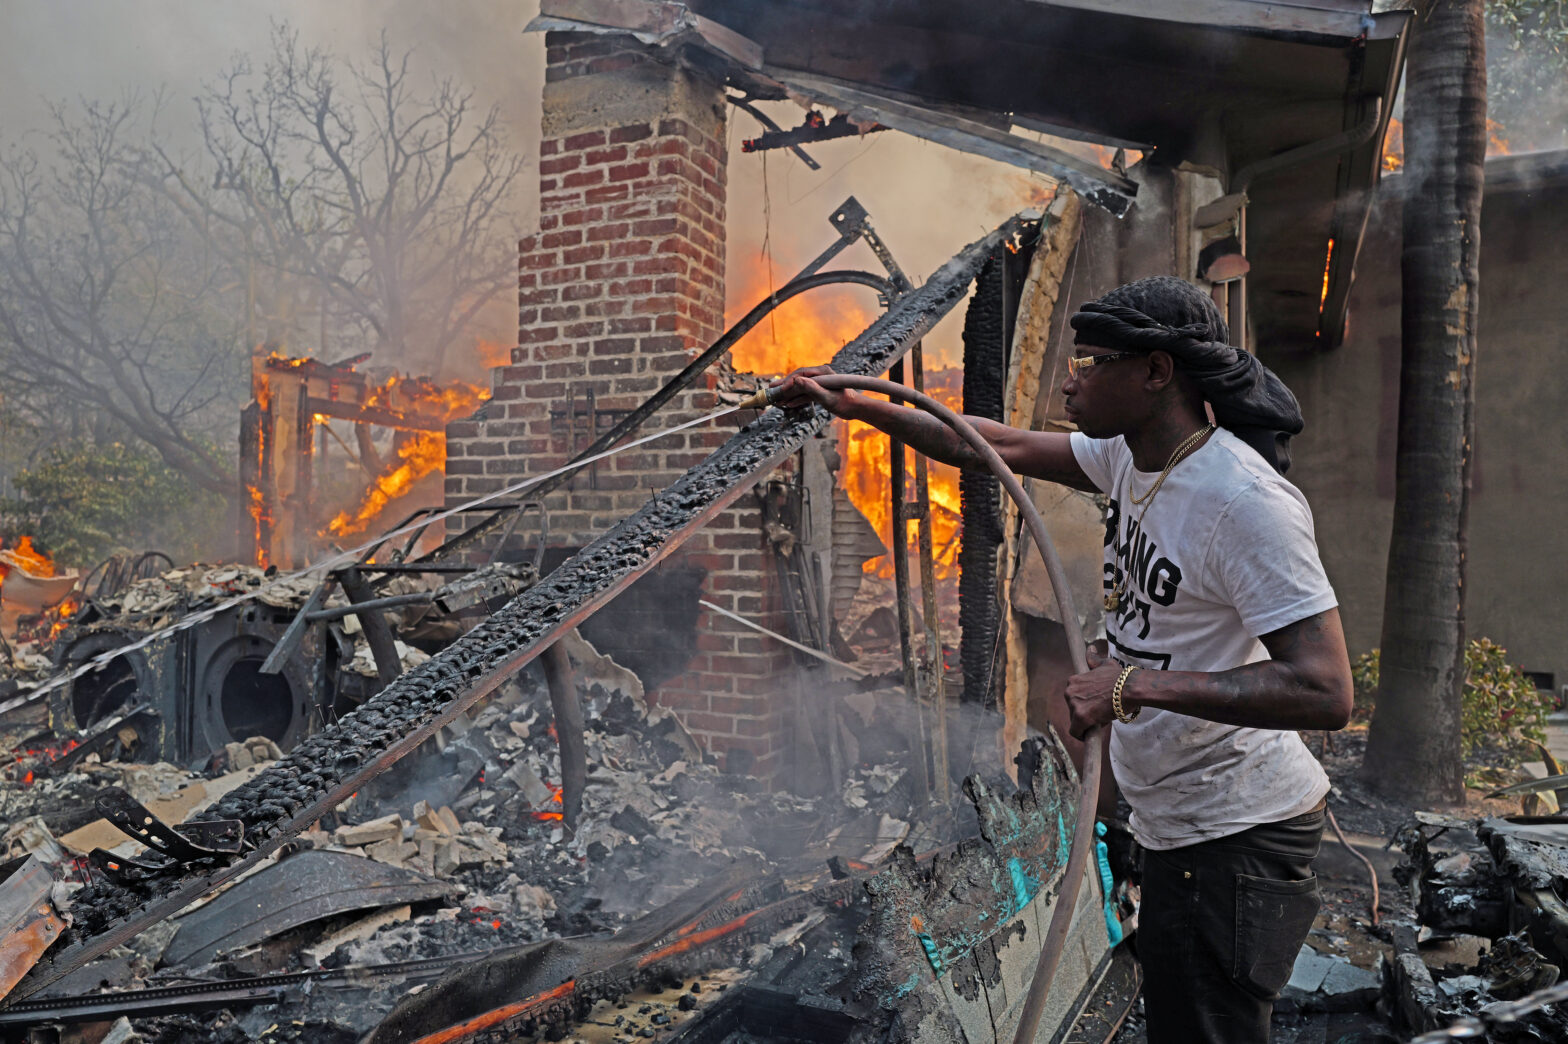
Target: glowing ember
pixel 1327 264
pixel 555 799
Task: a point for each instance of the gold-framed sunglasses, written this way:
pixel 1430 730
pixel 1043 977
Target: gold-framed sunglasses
pixel 1077 364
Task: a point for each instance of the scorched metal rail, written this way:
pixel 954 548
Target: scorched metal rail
pixel 334 763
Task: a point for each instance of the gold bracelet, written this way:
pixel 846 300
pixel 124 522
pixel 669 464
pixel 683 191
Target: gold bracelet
pixel 1116 697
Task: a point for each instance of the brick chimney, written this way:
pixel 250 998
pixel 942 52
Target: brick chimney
pixel 621 286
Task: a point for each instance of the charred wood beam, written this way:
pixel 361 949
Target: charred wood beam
pixel 1106 189
pixel 383 647
pixel 546 984
pixel 814 129
pixel 773 129
pixel 209 996
pixel 379 415
pixel 325 768
pixel 568 711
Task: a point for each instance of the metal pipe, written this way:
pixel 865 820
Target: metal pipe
pixel 906 649
pixel 1083 830
pixel 337 612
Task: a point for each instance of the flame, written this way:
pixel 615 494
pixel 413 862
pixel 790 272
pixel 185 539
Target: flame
pixel 27 558
pixel 868 479
pixel 261 516
pixel 555 798
pixel 424 398
pixel 1496 144
pixel 806 331
pixel 1394 144
pixel 59 617
pixel 1328 262
pixel 421 453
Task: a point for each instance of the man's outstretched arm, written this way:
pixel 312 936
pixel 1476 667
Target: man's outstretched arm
pixel 1304 685
pixel 1036 454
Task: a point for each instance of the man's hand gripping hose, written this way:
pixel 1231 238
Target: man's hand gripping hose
pixel 1082 854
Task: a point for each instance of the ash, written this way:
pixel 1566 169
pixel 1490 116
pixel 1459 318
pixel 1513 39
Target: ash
pixel 479 808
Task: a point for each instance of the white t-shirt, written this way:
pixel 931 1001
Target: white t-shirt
pixel 1226 553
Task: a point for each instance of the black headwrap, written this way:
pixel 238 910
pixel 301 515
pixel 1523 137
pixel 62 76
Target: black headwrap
pixel 1168 314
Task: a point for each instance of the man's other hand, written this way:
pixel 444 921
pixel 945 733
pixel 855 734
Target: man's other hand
pixel 1089 694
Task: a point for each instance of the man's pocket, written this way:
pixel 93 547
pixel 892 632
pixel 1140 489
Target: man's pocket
pixel 1272 921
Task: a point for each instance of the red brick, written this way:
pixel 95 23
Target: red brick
pixel 610 154
pixel 581 216
pixel 629 171
pixel 631 248
pixel 606 367
pixel 614 230
pixel 580 254
pixel 586 140
pixel 582 179
pixel 605 270
pixel 722 724
pixel 559 164
pixel 606 193
pixel 634 132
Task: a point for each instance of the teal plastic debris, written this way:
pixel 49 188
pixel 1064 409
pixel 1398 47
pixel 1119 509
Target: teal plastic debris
pixel 1113 924
pixel 932 953
pixel 1025 886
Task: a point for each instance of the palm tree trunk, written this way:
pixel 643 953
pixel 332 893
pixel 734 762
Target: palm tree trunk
pixel 1413 751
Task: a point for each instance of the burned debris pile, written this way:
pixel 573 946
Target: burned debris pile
pixel 460 855
pixel 1487 893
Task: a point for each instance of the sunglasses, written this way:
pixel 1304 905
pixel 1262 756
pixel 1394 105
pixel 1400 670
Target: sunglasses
pixel 1076 364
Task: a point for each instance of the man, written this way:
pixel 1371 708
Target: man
pixel 1224 637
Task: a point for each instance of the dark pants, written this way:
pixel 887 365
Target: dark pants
pixel 1219 927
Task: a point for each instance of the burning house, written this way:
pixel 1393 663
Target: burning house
pixel 607 721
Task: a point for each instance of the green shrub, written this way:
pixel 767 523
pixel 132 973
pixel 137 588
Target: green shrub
pixel 83 502
pixel 1501 707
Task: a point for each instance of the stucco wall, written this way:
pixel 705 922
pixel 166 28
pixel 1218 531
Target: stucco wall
pixel 1344 462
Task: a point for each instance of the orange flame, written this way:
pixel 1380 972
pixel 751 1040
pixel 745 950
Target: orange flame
pixel 59 617
pixel 555 798
pixel 1394 144
pixel 28 558
pixel 806 331
pixel 1496 144
pixel 421 453
pixel 1328 263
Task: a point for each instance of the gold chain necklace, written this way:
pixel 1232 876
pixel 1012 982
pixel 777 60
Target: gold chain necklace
pixel 1114 599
